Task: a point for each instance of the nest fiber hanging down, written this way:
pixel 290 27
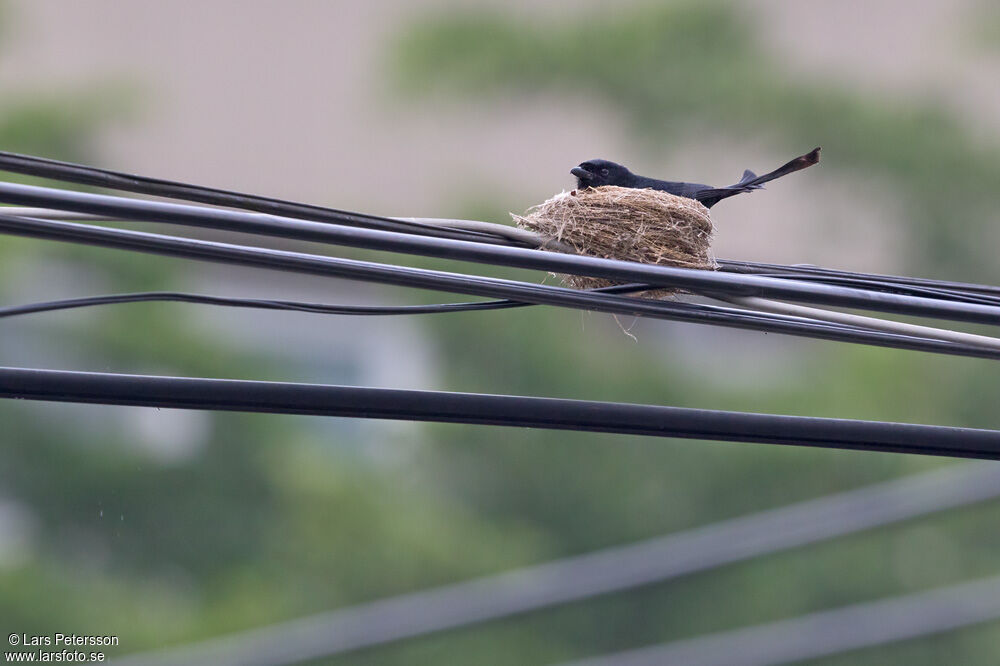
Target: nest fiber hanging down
pixel 640 225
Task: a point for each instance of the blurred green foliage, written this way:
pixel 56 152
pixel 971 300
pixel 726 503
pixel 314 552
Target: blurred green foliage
pixel 271 519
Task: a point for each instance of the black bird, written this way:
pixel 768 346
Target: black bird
pixel 595 173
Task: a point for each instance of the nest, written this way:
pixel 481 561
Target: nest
pixel 647 226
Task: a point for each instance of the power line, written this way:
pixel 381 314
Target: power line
pixel 871 323
pixel 472 285
pixel 87 175
pixel 758 268
pixel 967 296
pixel 446 308
pixel 827 632
pixel 592 574
pixel 699 281
pixel 485 409
pixel 270 304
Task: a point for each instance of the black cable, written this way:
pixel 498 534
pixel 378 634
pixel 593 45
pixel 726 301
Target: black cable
pixel 470 284
pixel 86 175
pixel 699 281
pixel 520 411
pixel 263 304
pixel 893 287
pixel 267 304
pixel 797 270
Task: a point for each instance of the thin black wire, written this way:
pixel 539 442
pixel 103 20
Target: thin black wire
pixel 473 285
pixel 892 287
pixel 115 180
pixel 757 268
pixel 699 281
pixel 268 304
pixel 481 409
pixel 262 304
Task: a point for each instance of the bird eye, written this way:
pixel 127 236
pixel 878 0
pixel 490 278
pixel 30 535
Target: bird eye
pixel 604 172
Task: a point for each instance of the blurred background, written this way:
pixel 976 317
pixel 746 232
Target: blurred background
pixel 168 527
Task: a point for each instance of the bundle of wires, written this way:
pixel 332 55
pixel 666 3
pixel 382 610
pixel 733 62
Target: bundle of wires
pixel 762 297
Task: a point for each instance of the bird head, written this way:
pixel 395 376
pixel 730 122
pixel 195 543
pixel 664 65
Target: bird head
pixel 595 173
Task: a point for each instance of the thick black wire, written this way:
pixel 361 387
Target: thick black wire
pixel 86 175
pixel 699 281
pixel 520 411
pixel 470 284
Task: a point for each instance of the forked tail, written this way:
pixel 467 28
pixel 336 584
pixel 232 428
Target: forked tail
pixel 751 181
pixel 799 163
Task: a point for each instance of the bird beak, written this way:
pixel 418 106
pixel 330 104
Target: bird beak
pixel 580 172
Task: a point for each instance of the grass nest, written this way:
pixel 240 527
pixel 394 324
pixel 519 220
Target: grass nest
pixel 642 225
